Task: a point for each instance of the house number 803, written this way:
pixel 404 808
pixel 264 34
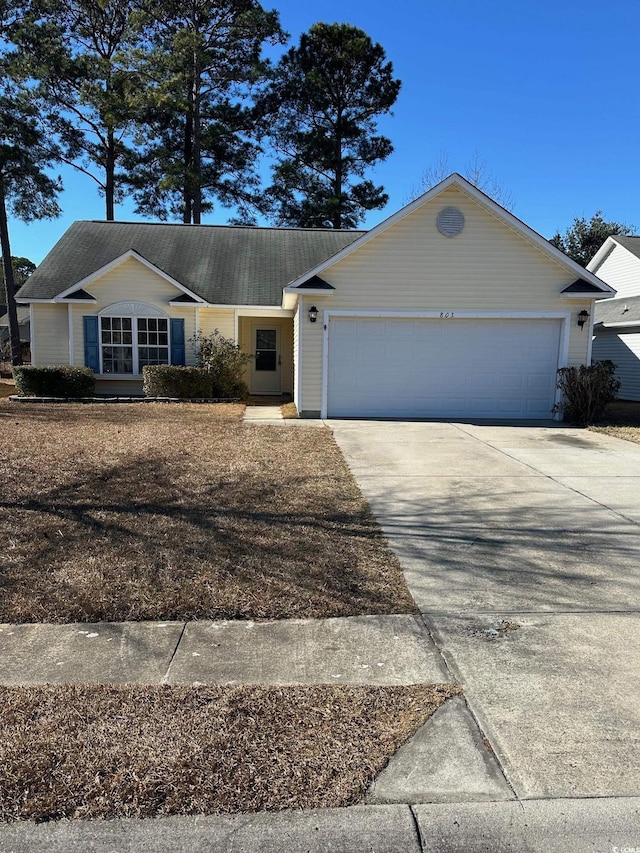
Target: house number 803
pixel 446 315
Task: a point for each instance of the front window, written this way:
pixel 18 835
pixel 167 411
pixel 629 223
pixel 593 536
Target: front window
pixel 128 343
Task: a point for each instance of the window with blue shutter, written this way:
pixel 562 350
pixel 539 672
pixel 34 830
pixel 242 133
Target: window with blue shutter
pixel 177 341
pixel 91 343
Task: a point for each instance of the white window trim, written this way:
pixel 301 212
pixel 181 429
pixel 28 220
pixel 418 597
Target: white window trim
pixel 134 311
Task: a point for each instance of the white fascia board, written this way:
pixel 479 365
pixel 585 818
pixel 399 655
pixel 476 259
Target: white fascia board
pixel 603 252
pixel 311 291
pixel 261 311
pixel 452 315
pixel 477 195
pixel 629 325
pixel 130 254
pixel 290 297
pixel 596 297
pixel 290 300
pixel 28 301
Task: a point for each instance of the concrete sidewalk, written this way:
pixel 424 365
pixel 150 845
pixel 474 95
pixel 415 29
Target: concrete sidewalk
pixel 379 650
pixel 552 826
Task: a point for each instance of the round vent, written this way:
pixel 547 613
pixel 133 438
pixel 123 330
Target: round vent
pixel 450 221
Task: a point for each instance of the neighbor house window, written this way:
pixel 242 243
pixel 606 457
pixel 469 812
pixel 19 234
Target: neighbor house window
pixel 128 343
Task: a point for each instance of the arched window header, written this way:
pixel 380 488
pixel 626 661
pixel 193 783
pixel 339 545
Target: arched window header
pixel 132 309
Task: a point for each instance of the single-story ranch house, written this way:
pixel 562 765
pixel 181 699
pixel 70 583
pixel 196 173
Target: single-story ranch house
pixel 450 308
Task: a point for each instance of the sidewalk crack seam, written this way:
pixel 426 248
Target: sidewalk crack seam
pixel 485 739
pixel 549 477
pixel 175 651
pixel 416 826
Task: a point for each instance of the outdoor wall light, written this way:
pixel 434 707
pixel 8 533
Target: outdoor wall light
pixel 583 316
pixel 313 314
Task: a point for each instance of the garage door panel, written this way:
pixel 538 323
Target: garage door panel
pixel 433 368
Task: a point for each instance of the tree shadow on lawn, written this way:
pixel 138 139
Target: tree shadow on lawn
pixel 478 548
pixel 135 542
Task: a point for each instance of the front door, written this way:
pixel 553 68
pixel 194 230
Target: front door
pixel 267 362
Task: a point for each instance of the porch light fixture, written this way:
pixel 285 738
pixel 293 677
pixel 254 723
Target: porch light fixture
pixel 313 314
pixel 583 316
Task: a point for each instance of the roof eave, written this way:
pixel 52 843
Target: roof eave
pixel 589 295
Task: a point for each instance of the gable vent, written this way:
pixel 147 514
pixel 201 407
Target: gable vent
pixel 450 221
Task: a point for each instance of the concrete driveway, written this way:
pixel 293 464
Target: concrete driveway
pixel 521 546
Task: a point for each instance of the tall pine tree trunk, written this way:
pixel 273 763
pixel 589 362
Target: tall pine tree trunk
pixel 338 177
pixel 187 192
pixel 197 152
pixel 9 282
pixel 110 169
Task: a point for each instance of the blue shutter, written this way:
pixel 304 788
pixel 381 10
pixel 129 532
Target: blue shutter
pixel 177 341
pixel 91 343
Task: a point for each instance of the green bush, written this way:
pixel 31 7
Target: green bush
pixel 32 381
pixel 225 362
pixel 167 380
pixel 587 391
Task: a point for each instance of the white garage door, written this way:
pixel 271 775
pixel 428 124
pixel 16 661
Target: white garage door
pixel 442 368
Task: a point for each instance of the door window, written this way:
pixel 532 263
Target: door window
pixel 266 355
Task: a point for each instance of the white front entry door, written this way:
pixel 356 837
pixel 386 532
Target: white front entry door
pixel 442 368
pixel 266 364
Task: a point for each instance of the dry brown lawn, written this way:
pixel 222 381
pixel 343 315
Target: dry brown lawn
pixel 289 410
pixel 100 751
pixel 622 420
pixel 7 387
pixel 152 511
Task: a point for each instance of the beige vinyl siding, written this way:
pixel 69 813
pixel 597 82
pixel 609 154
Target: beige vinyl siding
pixel 210 319
pixel 623 348
pixel 621 270
pixel 412 267
pixel 579 337
pixel 50 333
pixel 311 338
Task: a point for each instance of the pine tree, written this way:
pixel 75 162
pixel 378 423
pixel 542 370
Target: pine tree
pixel 322 108
pixel 25 188
pixel 196 126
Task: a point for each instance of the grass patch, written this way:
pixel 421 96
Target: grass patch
pixel 151 511
pixel 103 752
pixel 289 410
pixel 622 420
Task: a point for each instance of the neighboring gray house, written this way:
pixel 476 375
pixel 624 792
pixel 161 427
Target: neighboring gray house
pixel 616 328
pixel 23 324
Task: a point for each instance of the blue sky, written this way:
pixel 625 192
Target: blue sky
pixel 544 92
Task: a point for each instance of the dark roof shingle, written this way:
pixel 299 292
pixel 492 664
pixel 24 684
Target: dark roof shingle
pixel 226 265
pixel 632 244
pixel 623 310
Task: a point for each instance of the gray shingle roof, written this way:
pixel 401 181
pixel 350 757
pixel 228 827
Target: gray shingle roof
pixel 223 264
pixel 623 310
pixel 630 243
